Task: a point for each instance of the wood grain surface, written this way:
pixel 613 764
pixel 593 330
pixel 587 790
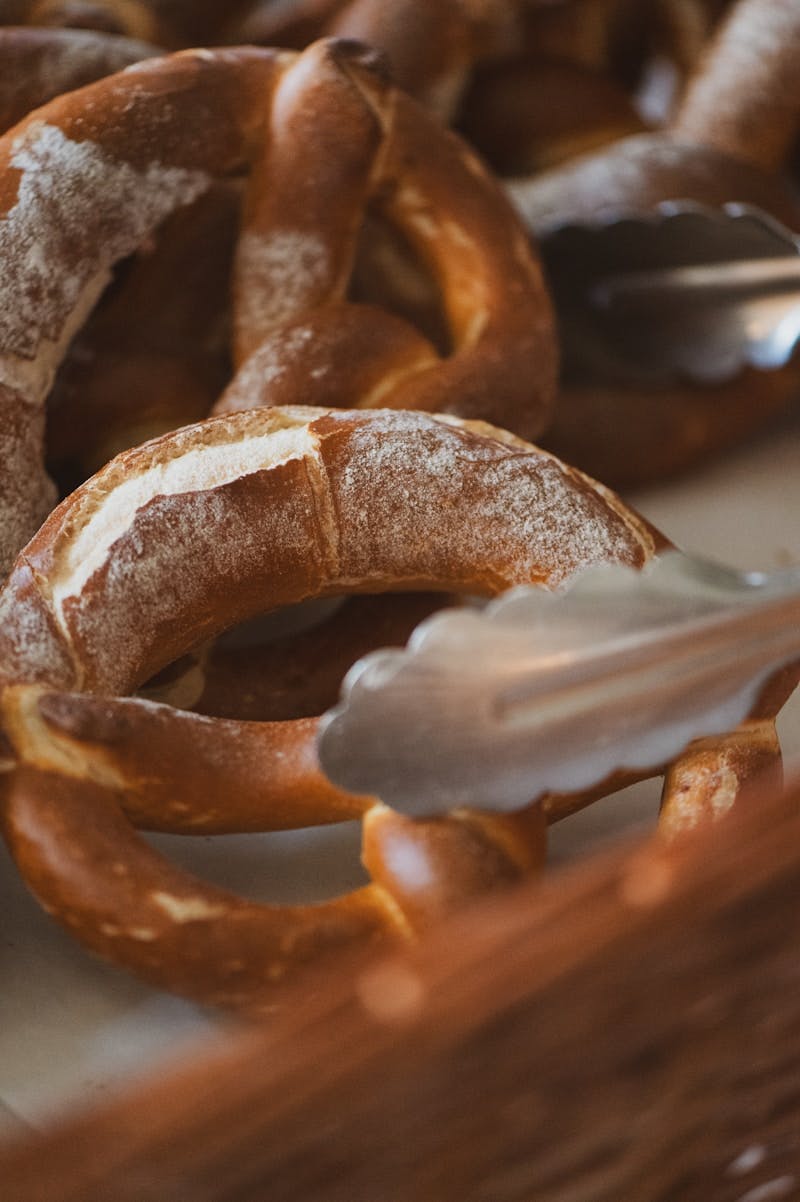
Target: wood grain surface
pixel 630 1030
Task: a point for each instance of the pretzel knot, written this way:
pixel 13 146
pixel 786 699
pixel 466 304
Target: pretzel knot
pixel 178 539
pixel 87 179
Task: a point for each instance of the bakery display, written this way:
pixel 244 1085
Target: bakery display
pixel 272 336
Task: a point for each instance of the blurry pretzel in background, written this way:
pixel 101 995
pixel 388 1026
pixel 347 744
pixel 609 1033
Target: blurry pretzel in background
pixel 530 84
pixel 38 64
pixel 732 133
pixel 172 24
pixel 125 159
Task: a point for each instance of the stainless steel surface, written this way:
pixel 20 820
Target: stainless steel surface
pixel 553 691
pixel 687 292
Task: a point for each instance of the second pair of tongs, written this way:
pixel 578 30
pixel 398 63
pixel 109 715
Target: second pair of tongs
pixel 552 692
pixel 686 291
pixel 681 291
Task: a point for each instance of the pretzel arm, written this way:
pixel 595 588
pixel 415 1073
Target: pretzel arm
pixel 339 354
pixel 444 201
pixel 98 878
pixel 302 213
pixel 176 771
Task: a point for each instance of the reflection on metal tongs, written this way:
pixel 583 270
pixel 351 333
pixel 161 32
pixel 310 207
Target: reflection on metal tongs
pixel 542 691
pixel 687 291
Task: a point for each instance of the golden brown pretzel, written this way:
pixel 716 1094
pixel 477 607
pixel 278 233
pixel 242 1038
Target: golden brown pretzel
pixel 302 337
pixel 175 540
pixel 139 145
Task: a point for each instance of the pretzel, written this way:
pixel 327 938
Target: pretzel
pixel 430 48
pixel 172 24
pixel 698 159
pixel 128 18
pixel 529 113
pixel 177 539
pixel 217 118
pixel 38 64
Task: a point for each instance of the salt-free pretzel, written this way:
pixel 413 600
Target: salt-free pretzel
pixel 88 178
pixel 174 541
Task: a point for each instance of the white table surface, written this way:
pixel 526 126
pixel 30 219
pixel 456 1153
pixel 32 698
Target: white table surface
pixel 73 1029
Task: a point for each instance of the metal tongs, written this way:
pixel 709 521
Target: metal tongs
pixel 541 692
pixel 687 291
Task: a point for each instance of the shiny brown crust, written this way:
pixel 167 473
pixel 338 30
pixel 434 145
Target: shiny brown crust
pixel 130 150
pixel 206 527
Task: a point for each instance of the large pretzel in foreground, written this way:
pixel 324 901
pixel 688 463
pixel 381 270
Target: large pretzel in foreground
pixel 86 179
pixel 172 542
